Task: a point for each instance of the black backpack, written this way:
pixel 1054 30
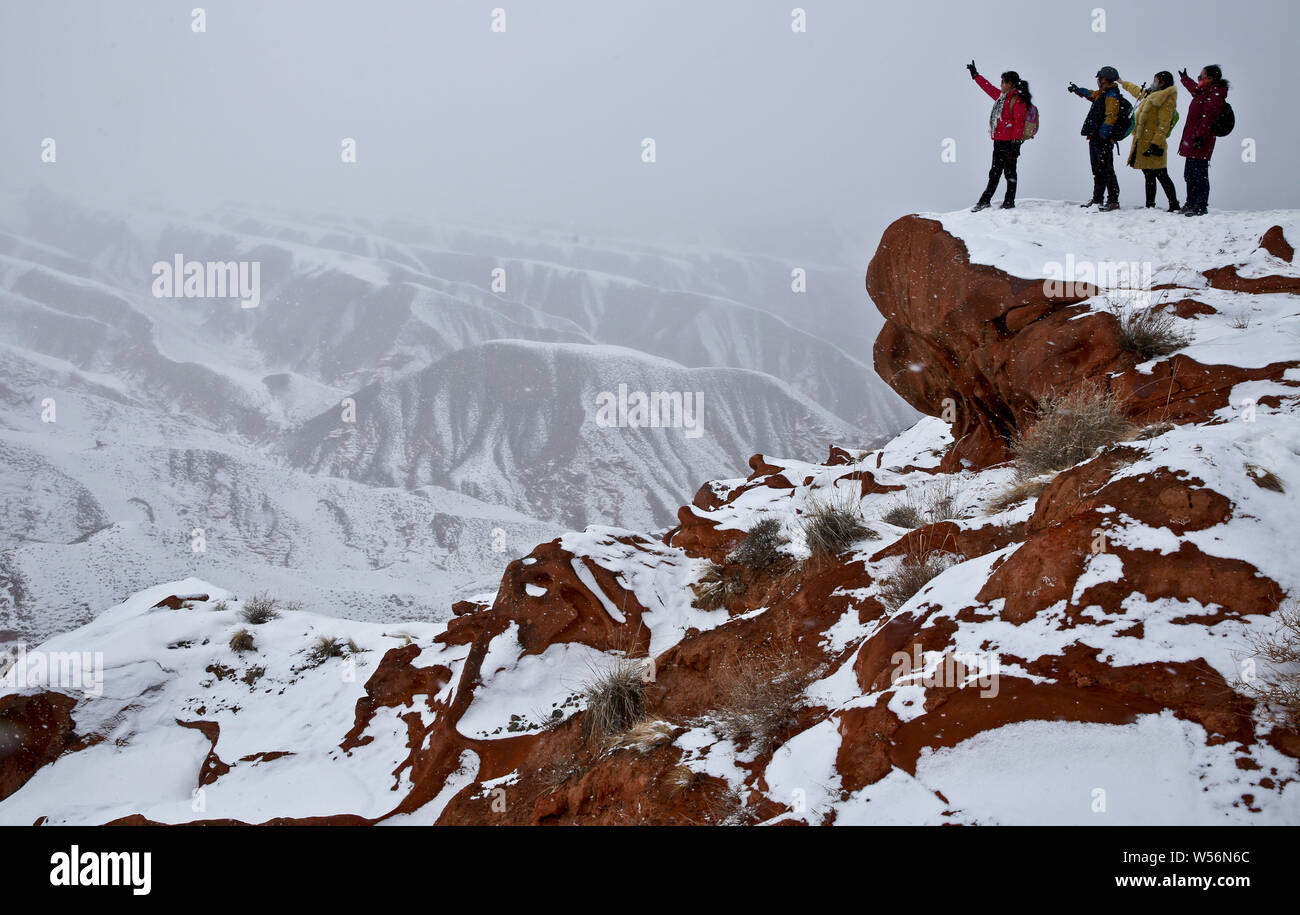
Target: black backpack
pixel 1124 120
pixel 1224 123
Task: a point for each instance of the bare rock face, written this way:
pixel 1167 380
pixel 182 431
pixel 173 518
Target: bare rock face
pixel 1275 243
pixel 975 336
pixel 989 346
pixel 34 730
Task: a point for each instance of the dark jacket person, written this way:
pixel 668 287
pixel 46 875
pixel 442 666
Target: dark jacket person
pixel 1100 127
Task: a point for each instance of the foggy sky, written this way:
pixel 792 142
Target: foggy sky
pixel 767 139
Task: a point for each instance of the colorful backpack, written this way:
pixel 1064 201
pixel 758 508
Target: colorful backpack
pixel 1031 122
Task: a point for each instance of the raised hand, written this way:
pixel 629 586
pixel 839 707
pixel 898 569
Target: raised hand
pixel 971 67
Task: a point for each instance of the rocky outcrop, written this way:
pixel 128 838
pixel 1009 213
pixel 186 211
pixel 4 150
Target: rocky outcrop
pixel 1107 614
pixel 996 345
pixel 34 730
pixel 982 348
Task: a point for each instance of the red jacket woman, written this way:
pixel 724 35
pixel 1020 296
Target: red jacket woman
pixel 1007 128
pixel 1209 95
pixel 1007 120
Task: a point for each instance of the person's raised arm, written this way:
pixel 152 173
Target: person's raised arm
pixel 983 83
pixel 1188 83
pixel 987 86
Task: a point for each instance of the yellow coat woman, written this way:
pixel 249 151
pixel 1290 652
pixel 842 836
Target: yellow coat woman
pixel 1153 119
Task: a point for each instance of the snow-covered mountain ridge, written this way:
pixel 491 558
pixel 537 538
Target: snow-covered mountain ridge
pixel 1071 651
pixel 130 421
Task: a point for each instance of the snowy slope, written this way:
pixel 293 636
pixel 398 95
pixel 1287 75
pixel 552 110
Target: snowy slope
pixel 518 424
pixel 1036 233
pixel 273 700
pixel 174 414
pixel 97 504
pixel 1159 769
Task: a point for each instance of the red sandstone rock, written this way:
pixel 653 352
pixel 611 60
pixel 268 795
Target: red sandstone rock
pixel 34 730
pixel 176 601
pixel 995 345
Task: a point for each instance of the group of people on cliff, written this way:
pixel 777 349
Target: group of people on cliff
pixel 1111 118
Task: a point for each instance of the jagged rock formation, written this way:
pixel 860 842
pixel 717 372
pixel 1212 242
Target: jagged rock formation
pixel 996 344
pixel 1073 658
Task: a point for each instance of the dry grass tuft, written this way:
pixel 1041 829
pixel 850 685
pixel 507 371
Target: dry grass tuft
pixel 759 695
pixel 832 525
pixel 761 548
pixel 916 568
pixel 719 585
pixel 615 700
pixel 1069 429
pixel 938 500
pixel 905 514
pixel 1149 332
pixel 1264 478
pixel 242 641
pixel 1278 687
pixel 259 609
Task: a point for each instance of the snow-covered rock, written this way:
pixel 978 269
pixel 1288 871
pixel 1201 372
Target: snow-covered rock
pixel 1079 655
